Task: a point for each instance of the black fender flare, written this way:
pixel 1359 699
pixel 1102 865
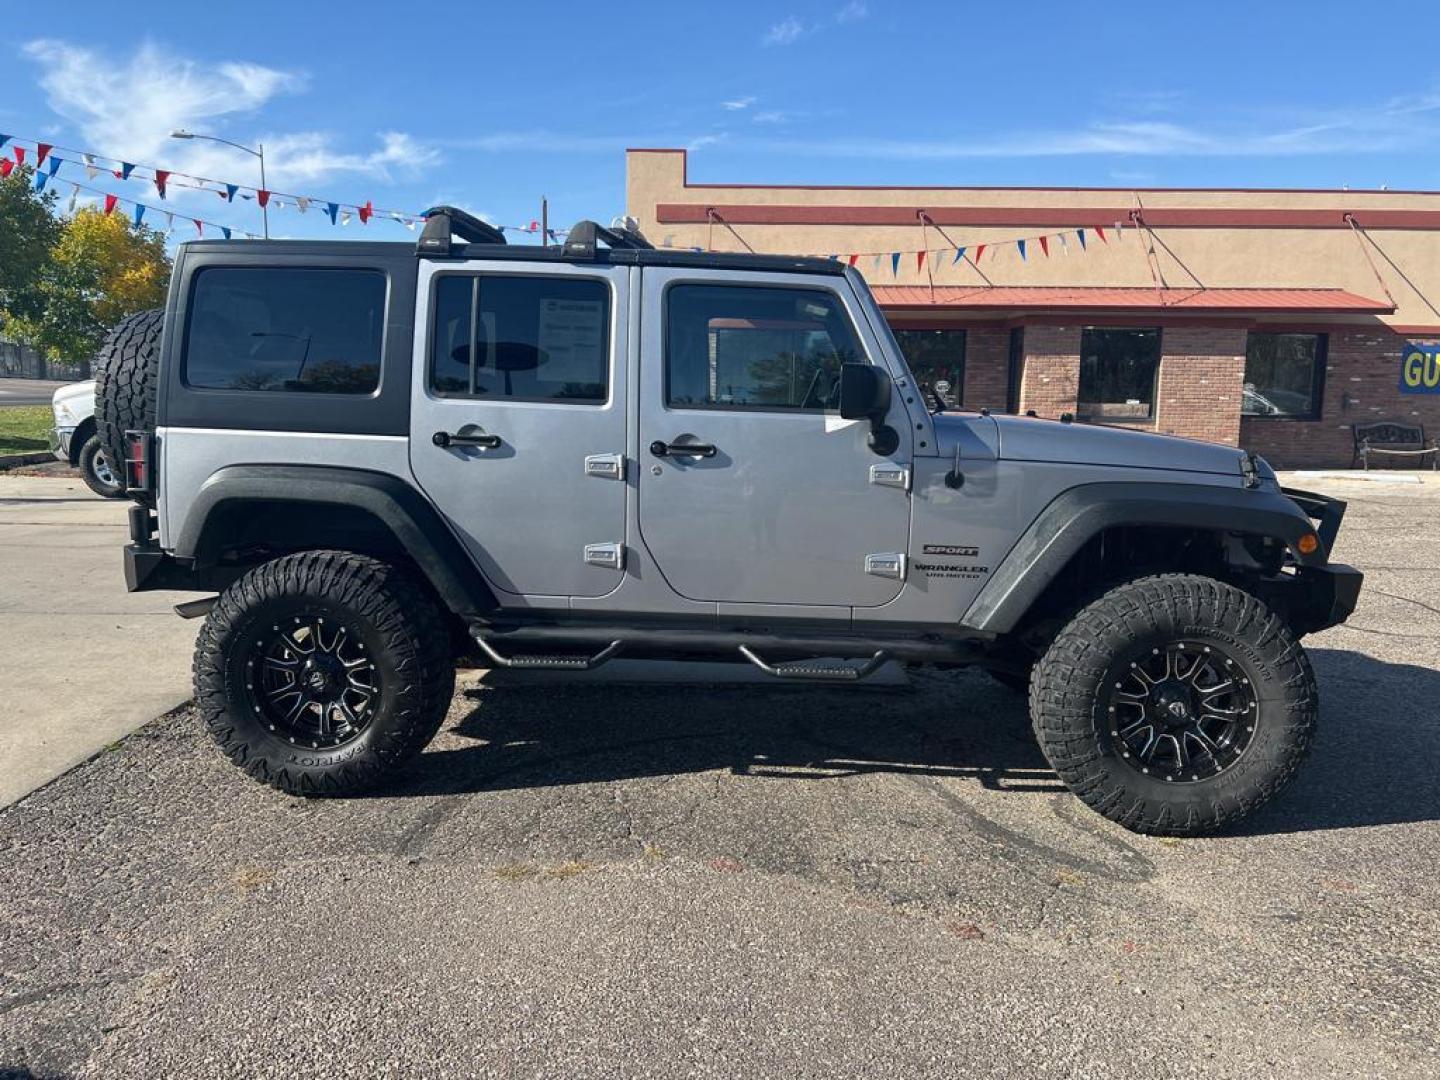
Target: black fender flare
pixel 414 522
pixel 1078 514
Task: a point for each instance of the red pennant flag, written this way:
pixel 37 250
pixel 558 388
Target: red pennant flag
pixel 161 176
pixel 19 155
pixel 6 167
pixel 42 151
pixel 854 259
pixel 1045 245
pixel 920 260
pixel 262 197
pixel 534 225
pixel 1100 232
pixel 367 210
pixel 979 250
pixel 110 201
pixel 199 227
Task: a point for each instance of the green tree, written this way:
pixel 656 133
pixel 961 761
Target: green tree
pixel 101 269
pixel 29 232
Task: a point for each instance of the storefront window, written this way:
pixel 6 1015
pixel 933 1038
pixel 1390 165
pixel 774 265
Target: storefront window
pixel 1283 375
pixel 936 357
pixel 1117 373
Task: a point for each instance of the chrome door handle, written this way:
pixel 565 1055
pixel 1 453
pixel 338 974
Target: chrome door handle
pixel 660 448
pixel 445 440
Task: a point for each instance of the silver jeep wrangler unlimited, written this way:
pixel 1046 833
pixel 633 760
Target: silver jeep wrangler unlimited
pixel 383 456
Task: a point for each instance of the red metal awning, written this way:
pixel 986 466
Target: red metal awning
pixel 1130 299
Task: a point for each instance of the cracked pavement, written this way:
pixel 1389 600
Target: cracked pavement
pixel 596 880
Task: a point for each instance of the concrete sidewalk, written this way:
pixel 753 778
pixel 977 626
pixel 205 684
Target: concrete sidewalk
pixel 82 662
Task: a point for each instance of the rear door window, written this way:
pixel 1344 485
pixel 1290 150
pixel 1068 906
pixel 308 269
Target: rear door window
pixel 302 331
pixel 519 338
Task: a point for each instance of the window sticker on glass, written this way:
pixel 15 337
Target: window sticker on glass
pixel 572 337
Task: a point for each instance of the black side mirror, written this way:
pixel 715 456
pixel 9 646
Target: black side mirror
pixel 864 392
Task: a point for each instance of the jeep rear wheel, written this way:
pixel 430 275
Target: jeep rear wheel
pixel 1175 705
pixel 323 672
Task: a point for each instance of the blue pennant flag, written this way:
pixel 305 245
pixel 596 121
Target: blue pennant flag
pixel 54 165
pixel 1021 245
pixel 40 179
pixel 959 254
pixel 230 190
pixel 139 213
pixel 895 264
pixel 125 170
pixel 225 231
pixel 333 209
pixel 1080 235
pixel 4 139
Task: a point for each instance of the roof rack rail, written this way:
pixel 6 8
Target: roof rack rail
pixel 581 243
pixel 443 223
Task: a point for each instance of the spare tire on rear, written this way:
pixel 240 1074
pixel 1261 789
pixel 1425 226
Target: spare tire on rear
pixel 126 370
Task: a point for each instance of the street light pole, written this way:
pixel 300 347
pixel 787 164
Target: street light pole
pixel 181 133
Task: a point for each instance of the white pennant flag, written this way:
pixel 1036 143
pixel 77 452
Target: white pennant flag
pixel 1064 247
pixel 169 224
pixel 90 169
pixel 410 224
pixel 279 204
pixel 301 203
pixel 74 194
pixel 345 218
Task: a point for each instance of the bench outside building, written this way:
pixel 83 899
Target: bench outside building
pixel 1388 440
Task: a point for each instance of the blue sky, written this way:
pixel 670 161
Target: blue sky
pixel 489 106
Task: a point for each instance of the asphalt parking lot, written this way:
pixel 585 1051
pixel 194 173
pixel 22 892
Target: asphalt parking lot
pixel 672 881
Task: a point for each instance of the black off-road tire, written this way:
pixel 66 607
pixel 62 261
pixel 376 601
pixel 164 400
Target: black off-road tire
pixel 1090 657
pixel 393 621
pixel 126 373
pixel 95 466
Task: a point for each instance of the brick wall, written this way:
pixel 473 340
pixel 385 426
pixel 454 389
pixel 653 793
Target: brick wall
pixel 1202 372
pixel 1362 385
pixel 987 355
pixel 1050 379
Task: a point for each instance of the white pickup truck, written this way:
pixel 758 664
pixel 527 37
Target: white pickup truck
pixel 75 439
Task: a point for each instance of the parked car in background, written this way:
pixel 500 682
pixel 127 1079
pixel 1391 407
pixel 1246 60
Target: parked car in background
pixel 75 439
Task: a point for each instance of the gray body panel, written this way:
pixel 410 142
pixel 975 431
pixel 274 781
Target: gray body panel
pixel 527 510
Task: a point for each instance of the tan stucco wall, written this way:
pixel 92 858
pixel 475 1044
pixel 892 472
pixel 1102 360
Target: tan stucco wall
pixel 1233 257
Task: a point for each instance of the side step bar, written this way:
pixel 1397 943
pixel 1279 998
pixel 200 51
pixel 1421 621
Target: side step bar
pixel 555 663
pixel 804 670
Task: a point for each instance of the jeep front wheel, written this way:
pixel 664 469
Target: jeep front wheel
pixel 1174 705
pixel 323 672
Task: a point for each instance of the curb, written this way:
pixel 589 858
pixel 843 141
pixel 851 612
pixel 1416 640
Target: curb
pixel 10 461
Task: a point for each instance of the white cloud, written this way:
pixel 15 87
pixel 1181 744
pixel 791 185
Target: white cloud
pixel 792 28
pixel 771 116
pixel 786 32
pixel 127 109
pixel 736 104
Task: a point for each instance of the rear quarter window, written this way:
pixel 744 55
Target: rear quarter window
pixel 291 330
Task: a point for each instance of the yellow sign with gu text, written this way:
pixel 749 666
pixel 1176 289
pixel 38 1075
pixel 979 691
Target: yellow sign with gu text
pixel 1420 369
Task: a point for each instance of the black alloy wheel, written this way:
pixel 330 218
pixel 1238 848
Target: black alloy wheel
pixel 1183 712
pixel 312 681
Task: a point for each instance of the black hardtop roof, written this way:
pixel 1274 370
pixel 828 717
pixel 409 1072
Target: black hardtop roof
pixel 371 249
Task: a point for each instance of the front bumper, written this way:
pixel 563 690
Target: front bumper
pixel 1329 594
pixel 59 439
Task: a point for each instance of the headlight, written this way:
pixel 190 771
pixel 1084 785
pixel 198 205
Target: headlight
pixel 63 414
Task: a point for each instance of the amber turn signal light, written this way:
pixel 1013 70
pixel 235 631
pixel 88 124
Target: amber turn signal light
pixel 1307 544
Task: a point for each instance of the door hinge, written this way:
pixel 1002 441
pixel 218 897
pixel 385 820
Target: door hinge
pixel 610 556
pixel 890 475
pixel 605 466
pixel 889 564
